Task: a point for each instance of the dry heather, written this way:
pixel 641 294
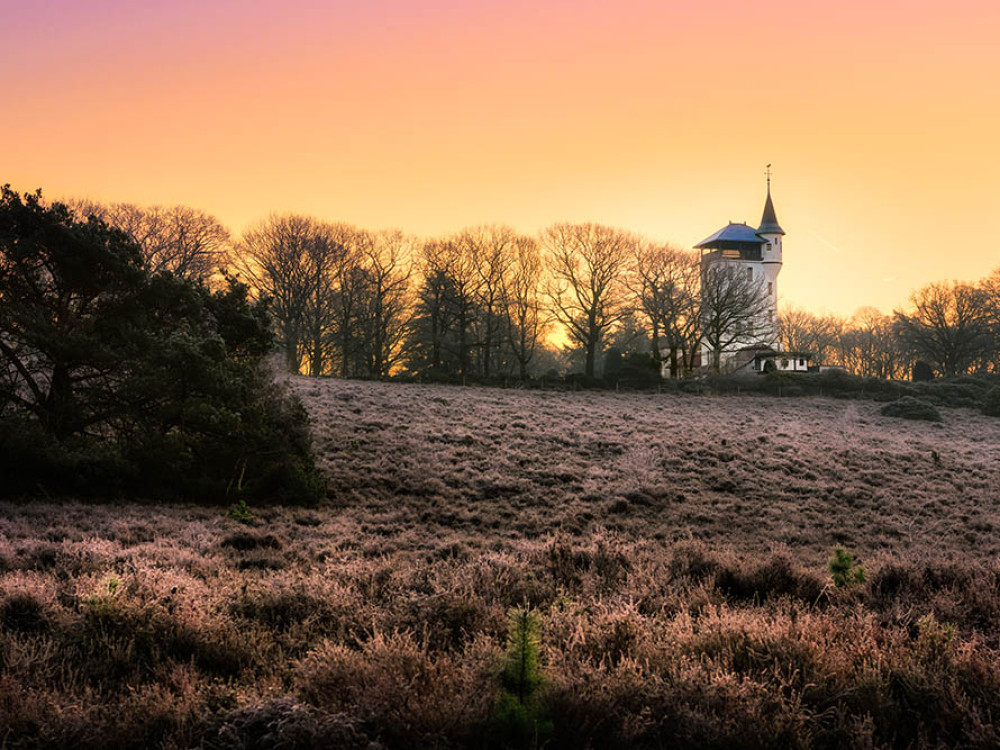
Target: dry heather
pixel 414 463
pixel 672 548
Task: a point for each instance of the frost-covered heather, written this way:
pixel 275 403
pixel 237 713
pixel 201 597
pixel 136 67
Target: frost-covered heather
pixel 414 462
pixel 679 581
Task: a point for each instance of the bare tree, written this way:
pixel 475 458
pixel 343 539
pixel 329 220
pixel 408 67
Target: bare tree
pixel 185 241
pixel 664 283
pixel 803 331
pixel 732 304
pixel 948 326
pixel 490 250
pixel 990 287
pixel 290 258
pixel 385 263
pixel 521 290
pixel 869 347
pixel 587 265
pixel 347 289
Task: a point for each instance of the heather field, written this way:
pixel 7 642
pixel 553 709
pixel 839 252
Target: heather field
pixel 417 464
pixel 670 552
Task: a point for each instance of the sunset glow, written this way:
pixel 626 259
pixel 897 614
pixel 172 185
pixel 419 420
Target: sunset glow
pixel 881 120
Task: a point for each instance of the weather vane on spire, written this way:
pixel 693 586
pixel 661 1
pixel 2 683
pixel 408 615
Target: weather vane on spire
pixel 768 173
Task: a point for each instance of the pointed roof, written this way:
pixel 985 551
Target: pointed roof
pixel 769 221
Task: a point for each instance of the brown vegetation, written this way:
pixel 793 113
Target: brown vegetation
pixel 674 549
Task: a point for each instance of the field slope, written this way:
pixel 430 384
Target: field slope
pixel 670 551
pixel 755 473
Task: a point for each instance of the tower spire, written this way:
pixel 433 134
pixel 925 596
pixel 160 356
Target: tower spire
pixel 769 221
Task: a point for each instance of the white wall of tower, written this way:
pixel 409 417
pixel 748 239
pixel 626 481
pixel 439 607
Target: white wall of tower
pixel 771 255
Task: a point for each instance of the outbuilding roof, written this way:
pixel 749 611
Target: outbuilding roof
pixel 787 355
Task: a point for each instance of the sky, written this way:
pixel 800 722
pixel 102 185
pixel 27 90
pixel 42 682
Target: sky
pixel 881 120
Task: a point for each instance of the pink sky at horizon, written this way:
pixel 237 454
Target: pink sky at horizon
pixel 880 119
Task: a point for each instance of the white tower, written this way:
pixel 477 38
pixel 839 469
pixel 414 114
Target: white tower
pixel 755 255
pixel 771 233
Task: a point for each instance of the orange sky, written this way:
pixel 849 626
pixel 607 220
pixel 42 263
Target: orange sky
pixel 881 118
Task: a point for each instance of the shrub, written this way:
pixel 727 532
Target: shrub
pixel 22 613
pixel 284 723
pixel 958 392
pixel 242 541
pixel 770 579
pixel 991 402
pixel 909 407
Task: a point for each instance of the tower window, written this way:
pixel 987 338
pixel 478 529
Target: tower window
pixel 770 287
pixel 749 273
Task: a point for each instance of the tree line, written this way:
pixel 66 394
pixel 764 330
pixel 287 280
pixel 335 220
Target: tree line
pixel 947 328
pixel 490 302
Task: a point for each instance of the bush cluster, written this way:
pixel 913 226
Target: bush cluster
pixel 966 391
pixel 991 402
pixel 909 407
pixel 116 380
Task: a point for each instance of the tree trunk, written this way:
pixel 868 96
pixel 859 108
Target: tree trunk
pixel 59 406
pixel 588 368
pixel 292 355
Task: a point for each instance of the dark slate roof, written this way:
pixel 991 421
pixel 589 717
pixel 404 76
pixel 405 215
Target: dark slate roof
pixel 788 355
pixel 738 233
pixel 769 221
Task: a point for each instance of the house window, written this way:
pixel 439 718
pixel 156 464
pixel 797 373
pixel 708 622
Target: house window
pixel 784 364
pixel 802 363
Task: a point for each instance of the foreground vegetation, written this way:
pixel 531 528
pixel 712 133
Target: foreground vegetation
pixel 178 629
pixel 505 569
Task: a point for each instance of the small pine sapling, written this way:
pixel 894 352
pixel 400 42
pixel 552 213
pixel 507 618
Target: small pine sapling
pixel 240 513
pixel 844 569
pixel 519 717
pixel 522 674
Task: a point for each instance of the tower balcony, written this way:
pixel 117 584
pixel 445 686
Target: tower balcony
pixel 740 252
